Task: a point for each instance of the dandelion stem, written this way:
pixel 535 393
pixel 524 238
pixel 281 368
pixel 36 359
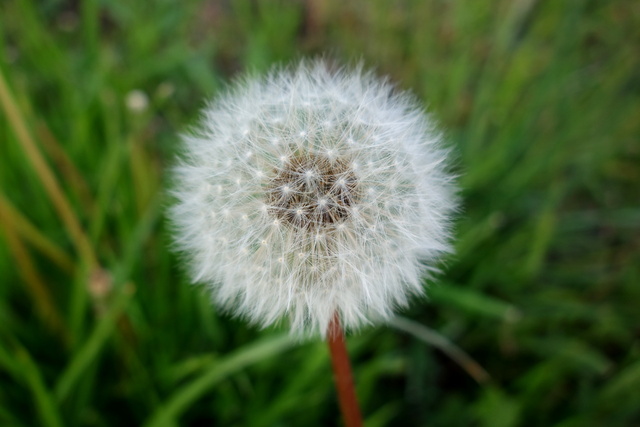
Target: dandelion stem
pixel 342 374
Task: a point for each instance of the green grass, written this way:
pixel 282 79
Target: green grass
pixel 540 101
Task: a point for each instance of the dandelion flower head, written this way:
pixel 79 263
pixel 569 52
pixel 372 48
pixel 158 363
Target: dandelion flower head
pixel 309 192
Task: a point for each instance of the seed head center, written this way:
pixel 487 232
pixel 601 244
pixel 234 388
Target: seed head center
pixel 312 191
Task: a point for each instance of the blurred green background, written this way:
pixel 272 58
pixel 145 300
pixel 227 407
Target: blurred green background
pixel 534 322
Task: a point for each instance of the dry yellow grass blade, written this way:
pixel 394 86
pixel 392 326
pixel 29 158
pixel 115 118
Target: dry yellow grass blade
pixel 35 284
pixel 46 176
pixel 65 166
pixel 15 220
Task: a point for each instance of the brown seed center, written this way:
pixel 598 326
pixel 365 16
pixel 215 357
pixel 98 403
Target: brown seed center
pixel 311 191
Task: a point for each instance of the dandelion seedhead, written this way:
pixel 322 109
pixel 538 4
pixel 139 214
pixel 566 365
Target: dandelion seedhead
pixel 309 192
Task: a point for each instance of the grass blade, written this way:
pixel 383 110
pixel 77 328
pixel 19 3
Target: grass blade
pixel 46 176
pixel 43 400
pixel 475 302
pixel 90 350
pixel 218 370
pixel 14 219
pixel 35 284
pixel 440 342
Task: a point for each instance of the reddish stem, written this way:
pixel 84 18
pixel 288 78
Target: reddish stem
pixel 342 374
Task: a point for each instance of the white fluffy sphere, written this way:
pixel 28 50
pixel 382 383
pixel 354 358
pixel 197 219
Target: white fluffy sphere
pixel 309 192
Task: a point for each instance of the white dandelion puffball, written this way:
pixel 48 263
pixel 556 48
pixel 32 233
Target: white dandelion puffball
pixel 310 192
